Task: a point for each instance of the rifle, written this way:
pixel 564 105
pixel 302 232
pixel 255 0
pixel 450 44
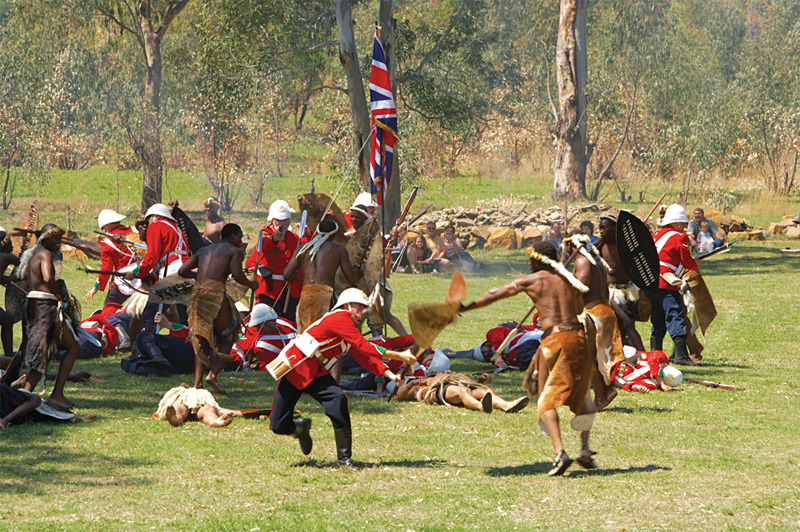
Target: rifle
pixel 116 238
pixel 387 261
pixel 710 384
pixel 722 249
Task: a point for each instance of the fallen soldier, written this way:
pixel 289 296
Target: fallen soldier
pixel 644 371
pixel 455 389
pixel 182 404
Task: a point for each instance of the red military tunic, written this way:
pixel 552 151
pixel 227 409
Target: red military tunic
pixel 673 255
pixel 274 256
pixel 497 335
pixel 643 372
pixel 113 256
pixel 268 346
pixel 324 341
pixel 166 246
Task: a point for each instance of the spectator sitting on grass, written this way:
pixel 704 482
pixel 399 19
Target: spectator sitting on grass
pixel 420 257
pixel 453 251
pixel 694 229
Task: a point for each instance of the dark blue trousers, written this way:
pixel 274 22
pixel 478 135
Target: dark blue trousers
pixel 323 389
pixel 666 315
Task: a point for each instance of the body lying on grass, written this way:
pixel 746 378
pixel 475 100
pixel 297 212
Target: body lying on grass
pixel 182 404
pixel 455 389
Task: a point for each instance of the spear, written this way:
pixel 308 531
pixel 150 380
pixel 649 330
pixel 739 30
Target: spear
pixel 710 384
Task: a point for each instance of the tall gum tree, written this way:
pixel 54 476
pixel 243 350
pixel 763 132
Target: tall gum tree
pixel 147 21
pixel 571 156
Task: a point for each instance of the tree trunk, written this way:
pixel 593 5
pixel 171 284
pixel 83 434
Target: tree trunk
pixel 355 86
pixel 151 145
pixel 570 163
pixel 392 208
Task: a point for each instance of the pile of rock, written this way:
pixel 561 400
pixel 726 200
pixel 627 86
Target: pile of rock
pixel 506 228
pixel 734 226
pixel 785 227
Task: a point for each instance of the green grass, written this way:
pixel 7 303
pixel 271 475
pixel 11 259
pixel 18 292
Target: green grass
pixel 694 459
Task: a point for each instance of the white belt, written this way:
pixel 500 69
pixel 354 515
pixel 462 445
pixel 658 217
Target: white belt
pixel 677 269
pixel 274 276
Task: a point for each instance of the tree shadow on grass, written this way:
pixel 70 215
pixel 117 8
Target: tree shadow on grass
pixel 320 464
pixel 541 468
pixel 749 260
pixel 30 466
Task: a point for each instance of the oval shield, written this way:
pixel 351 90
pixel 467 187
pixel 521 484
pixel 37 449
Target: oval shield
pixel 637 252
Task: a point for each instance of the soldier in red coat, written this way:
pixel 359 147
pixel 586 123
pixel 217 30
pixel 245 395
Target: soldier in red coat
pixel 275 249
pixel 167 250
pixel 114 256
pixel 304 367
pixel 667 314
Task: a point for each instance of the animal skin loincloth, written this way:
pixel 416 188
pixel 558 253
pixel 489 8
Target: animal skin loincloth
pixel 42 322
pixel 630 299
pixel 435 392
pixel 608 338
pixel 315 302
pixel 205 303
pixel 192 398
pixel 569 371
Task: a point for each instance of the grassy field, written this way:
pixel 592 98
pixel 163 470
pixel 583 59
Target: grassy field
pixel 694 459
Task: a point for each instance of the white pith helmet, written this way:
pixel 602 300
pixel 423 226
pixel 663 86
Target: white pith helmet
pixel 675 214
pixel 352 295
pixel 159 209
pixel 107 216
pixel 672 376
pixel 279 210
pixel 440 362
pixel 365 199
pixel 261 313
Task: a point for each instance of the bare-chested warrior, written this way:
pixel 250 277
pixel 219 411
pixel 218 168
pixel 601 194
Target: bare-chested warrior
pixel 591 270
pixel 319 260
pixel 214 222
pixel 561 370
pixel 44 300
pixel 213 318
pixel 624 296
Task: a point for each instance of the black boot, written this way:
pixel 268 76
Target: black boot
pixel 151 352
pixel 656 344
pixel 302 431
pixel 681 352
pixel 344 448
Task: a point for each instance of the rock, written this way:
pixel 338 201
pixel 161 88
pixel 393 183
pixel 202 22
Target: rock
pixel 518 232
pixel 774 228
pixel 502 238
pixel 792 232
pixel 712 213
pixel 755 235
pixel 483 232
pixel 531 234
pixel 734 235
pixel 787 222
pixel 723 222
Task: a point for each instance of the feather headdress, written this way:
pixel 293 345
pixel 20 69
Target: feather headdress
pixel 54 232
pixel 580 241
pixel 321 237
pixel 559 268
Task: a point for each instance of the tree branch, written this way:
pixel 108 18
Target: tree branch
pixel 549 96
pixel 610 163
pixel 420 79
pixel 171 13
pixel 453 22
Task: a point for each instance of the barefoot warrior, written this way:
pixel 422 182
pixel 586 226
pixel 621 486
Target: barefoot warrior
pixel 563 362
pixel 214 222
pixel 213 318
pixel 591 269
pixel 304 365
pixel 455 389
pixel 45 300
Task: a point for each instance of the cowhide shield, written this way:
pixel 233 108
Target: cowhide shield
pixel 172 290
pixel 637 252
pixel 315 203
pixel 237 291
pixel 704 308
pixel 193 235
pixel 28 220
pixel 15 299
pixel 366 252
pixel 427 320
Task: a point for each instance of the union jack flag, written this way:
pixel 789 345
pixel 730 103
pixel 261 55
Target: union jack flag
pixel 384 125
